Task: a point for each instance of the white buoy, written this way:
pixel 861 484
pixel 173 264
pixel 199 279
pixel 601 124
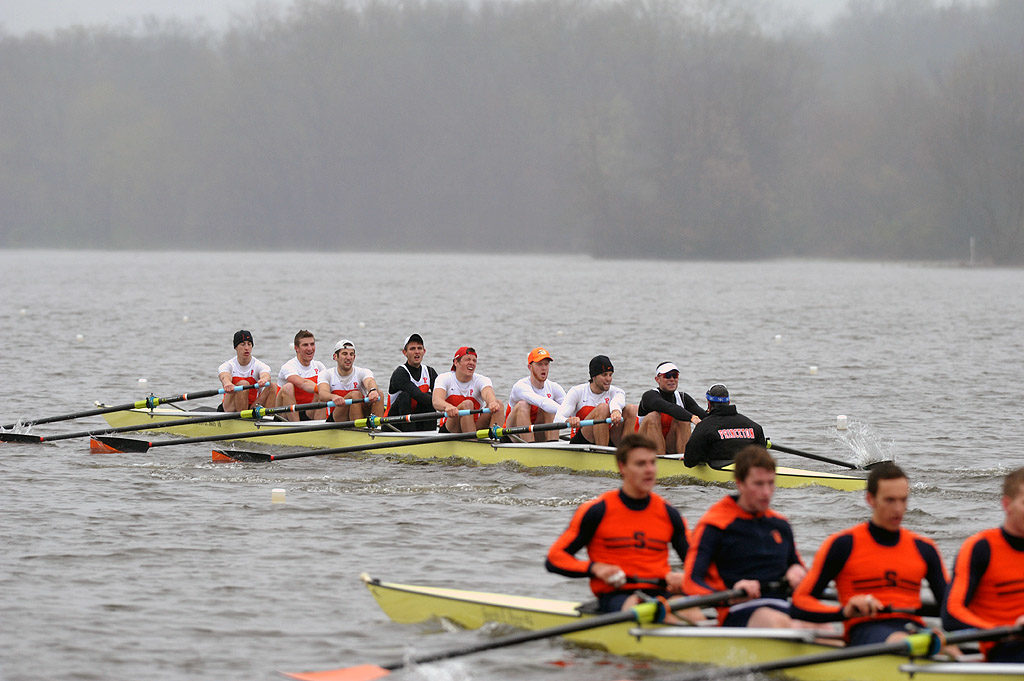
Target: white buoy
pixel 778 338
pixel 79 337
pixel 813 369
pixel 841 422
pixel 559 333
pixel 184 318
pixel 362 325
pixel 277 496
pixel 142 380
pixel 23 312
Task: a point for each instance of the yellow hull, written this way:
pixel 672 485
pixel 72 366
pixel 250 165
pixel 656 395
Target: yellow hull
pixel 589 459
pixel 720 646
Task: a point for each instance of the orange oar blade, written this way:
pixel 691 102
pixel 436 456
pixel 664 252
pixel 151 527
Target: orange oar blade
pixel 221 457
pixel 97 447
pixel 364 672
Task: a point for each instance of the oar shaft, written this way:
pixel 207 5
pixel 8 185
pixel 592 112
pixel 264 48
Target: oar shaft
pixel 145 403
pixel 358 423
pixel 226 416
pixel 808 455
pixel 634 614
pixel 449 437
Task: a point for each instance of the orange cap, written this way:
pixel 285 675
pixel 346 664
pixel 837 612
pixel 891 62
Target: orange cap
pixel 537 354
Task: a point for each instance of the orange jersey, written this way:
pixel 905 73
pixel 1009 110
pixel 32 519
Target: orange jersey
pixel 988 582
pixel 867 559
pixel 634 534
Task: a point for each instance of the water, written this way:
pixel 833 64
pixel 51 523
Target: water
pixel 166 566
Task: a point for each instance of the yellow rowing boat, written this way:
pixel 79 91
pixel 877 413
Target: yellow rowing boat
pixel 581 458
pixel 712 645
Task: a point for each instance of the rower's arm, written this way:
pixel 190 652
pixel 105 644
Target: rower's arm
pixel 971 564
pixel 561 557
pixel 652 401
pixel 830 559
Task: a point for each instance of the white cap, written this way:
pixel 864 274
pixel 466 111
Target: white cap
pixel 343 343
pixel 664 368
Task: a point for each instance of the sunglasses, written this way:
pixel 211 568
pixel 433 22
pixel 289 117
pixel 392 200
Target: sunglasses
pixel 671 374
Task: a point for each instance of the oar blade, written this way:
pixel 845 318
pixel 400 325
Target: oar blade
pixel 233 455
pixel 364 672
pixel 108 444
pixel 20 437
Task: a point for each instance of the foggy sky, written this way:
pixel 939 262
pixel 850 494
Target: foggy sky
pixel 21 16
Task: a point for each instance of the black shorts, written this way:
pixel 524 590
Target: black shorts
pixel 876 631
pixel 612 602
pixel 740 613
pixel 578 439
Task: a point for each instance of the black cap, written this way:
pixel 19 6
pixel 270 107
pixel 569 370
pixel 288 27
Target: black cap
pixel 599 365
pixel 240 337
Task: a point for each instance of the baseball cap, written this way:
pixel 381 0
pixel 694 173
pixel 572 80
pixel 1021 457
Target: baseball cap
pixel 718 393
pixel 600 364
pixel 664 368
pixel 537 354
pixel 462 352
pixel 240 337
pixel 343 343
pixel 410 338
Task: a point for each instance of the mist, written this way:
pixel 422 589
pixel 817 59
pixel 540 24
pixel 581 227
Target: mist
pixel 630 128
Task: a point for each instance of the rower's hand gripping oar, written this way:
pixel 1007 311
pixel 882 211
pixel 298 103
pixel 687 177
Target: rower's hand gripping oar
pixel 921 644
pixel 819 457
pixel 492 433
pixel 148 403
pixel 113 444
pixel 257 412
pixel 644 613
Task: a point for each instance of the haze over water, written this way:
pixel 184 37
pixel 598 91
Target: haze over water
pixel 166 566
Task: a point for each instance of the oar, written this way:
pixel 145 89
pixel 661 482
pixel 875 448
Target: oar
pixel 819 457
pixel 922 644
pixel 147 403
pixel 492 433
pixel 257 412
pixel 643 613
pixel 114 444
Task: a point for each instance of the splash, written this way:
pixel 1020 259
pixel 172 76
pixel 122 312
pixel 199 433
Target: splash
pixel 866 445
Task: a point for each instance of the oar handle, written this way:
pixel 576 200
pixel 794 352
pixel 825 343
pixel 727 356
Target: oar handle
pixel 808 455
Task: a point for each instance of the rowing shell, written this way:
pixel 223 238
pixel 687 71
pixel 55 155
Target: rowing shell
pixel 581 458
pixel 723 646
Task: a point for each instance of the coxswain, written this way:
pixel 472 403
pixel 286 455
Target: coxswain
pixel 877 566
pixel 627 533
pixel 347 381
pixel 598 400
pixel 534 398
pixel 742 543
pixel 463 388
pixel 244 369
pixel 411 386
pixel 666 415
pixel 300 379
pixel 988 578
pixel 721 433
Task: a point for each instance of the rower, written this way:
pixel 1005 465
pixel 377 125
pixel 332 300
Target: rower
pixel 742 543
pixel 534 398
pixel 721 433
pixel 877 566
pixel 598 400
pixel 347 381
pixel 463 388
pixel 411 385
pixel 244 369
pixel 988 578
pixel 620 571
pixel 300 379
pixel 665 414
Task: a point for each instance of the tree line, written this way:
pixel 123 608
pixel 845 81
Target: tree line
pixel 619 128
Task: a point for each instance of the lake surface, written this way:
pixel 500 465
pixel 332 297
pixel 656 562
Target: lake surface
pixel 166 566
